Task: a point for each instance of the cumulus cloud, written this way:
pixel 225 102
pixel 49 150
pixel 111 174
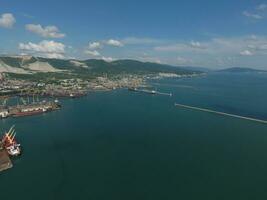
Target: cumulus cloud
pixel 107 59
pixel 7 20
pixel 246 53
pixel 92 48
pixel 252 15
pixel 92 53
pixel 115 43
pixel 94 45
pixel 47 31
pixel 45 48
pixel 194 44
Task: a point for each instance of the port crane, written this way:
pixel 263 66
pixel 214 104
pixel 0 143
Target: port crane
pixel 23 101
pixel 10 144
pixel 4 102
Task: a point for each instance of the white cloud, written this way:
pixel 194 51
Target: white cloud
pixel 115 43
pixel 107 59
pixel 246 53
pixel 262 7
pixel 92 53
pixel 7 20
pixel 252 15
pixel 47 32
pixel 94 45
pixel 45 48
pixel 229 46
pixel 194 44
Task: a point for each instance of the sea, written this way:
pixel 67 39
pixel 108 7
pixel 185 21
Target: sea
pixel 125 145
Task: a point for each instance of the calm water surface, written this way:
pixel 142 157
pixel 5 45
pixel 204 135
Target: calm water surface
pixel 126 145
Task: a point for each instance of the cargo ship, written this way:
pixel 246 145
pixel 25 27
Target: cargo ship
pixel 29 111
pixel 34 108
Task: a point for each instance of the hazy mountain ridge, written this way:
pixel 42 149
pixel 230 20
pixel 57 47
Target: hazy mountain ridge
pixel 241 70
pixel 31 65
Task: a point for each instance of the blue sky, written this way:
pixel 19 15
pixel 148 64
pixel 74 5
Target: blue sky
pixel 207 33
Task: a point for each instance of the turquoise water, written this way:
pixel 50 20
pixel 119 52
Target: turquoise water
pixel 126 145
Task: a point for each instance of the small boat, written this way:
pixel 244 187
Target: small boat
pixel 153 92
pixel 132 89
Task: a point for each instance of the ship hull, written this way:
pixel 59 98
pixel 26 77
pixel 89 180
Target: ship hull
pixel 23 114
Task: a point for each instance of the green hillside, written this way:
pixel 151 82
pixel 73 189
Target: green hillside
pixel 91 68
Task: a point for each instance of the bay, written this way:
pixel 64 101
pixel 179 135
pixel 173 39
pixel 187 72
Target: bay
pixel 127 145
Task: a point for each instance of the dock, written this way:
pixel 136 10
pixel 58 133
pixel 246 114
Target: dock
pixel 5 162
pixel 153 92
pixel 220 113
pixel 164 93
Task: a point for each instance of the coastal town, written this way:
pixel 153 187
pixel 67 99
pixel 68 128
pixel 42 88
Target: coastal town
pixel 68 88
pixel 29 91
pixel 73 87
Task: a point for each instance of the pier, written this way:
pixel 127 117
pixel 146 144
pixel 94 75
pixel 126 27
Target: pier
pixel 154 92
pixel 164 93
pixel 220 113
pixel 5 162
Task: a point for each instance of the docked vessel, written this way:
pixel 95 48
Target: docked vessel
pixel 29 112
pixel 134 89
pixel 34 108
pixel 149 91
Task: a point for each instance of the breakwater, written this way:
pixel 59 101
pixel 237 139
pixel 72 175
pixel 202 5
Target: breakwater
pixel 220 113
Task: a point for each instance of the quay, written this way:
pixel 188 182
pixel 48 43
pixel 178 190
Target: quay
pixel 5 162
pixel 220 113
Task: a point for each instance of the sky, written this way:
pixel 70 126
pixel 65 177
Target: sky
pixel 206 33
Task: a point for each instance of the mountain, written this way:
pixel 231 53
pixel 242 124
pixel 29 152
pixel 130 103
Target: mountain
pixel 240 70
pixel 33 65
pixel 200 69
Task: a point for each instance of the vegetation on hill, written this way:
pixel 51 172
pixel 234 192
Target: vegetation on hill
pixel 88 68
